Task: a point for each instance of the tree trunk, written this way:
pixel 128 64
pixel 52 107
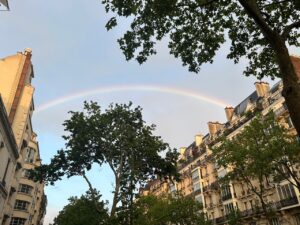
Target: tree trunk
pixel 115 199
pixel 291 87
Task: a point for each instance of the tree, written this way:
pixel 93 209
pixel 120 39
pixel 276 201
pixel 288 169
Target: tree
pixel 118 137
pixel 259 30
pixel 81 211
pixel 165 210
pixel 257 154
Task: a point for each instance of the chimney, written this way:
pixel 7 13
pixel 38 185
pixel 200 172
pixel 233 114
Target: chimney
pixel 27 51
pixel 198 139
pixel 214 127
pixel 262 88
pixel 229 113
pixel 182 150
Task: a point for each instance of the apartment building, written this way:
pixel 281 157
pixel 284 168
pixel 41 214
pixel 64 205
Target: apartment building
pixel 8 157
pixel 200 174
pixel 26 201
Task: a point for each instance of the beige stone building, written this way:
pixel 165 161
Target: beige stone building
pixel 8 161
pixel 26 201
pixel 200 174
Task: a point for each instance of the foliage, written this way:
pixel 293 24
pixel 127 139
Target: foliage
pixel 118 137
pixel 258 153
pixel 258 30
pixel 81 211
pixel 165 210
pixel 197 29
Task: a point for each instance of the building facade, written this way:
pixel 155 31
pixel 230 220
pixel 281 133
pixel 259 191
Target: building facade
pixel 26 202
pixel 9 155
pixel 200 173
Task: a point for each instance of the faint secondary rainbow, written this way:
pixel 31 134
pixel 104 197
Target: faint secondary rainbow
pixel 126 88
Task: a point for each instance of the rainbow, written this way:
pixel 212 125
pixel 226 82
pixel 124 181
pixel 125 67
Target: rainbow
pixel 126 88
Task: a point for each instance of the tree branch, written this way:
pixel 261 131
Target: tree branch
pixel 289 28
pixel 253 11
pixel 92 190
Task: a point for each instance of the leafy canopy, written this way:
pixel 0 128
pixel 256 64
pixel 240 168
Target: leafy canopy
pixel 196 29
pixel 118 137
pixel 81 211
pixel 164 210
pixel 262 150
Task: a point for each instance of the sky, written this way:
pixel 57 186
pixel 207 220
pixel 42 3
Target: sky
pixel 76 59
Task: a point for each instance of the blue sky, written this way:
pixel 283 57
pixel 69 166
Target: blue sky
pixel 73 52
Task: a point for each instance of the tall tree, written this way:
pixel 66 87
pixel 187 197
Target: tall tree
pixel 257 154
pixel 259 30
pixel 81 211
pixel 118 137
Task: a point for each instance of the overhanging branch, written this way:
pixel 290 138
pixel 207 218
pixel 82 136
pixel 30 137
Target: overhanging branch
pixel 289 28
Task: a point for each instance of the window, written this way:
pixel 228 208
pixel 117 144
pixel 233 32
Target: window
pixel 229 208
pixel 23 188
pixel 21 205
pixel 226 193
pixel 275 221
pixel 286 191
pixel 199 199
pixel 29 155
pixel 25 173
pixel 172 188
pixel 17 221
pixel 196 186
pixel 195 175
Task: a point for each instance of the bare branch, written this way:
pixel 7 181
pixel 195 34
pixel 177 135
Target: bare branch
pixel 92 190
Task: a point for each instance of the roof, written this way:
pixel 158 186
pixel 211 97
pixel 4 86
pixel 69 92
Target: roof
pixel 241 108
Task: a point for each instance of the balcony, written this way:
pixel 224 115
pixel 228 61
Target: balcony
pixel 226 197
pixel 288 202
pixel 281 110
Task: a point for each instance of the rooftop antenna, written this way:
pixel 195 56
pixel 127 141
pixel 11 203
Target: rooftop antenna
pixel 5 4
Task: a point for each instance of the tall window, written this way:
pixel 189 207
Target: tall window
pixel 286 191
pixel 226 193
pixel 21 205
pixel 275 221
pixel 26 189
pixel 195 175
pixel 196 186
pixel 17 221
pixel 229 208
pixel 29 155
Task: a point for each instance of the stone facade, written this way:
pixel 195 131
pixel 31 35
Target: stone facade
pixel 26 201
pixel 200 174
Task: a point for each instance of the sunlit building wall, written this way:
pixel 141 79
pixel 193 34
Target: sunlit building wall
pixel 200 173
pixel 26 202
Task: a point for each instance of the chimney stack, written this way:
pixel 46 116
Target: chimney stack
pixel 198 139
pixel 182 151
pixel 229 113
pixel 214 127
pixel 262 88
